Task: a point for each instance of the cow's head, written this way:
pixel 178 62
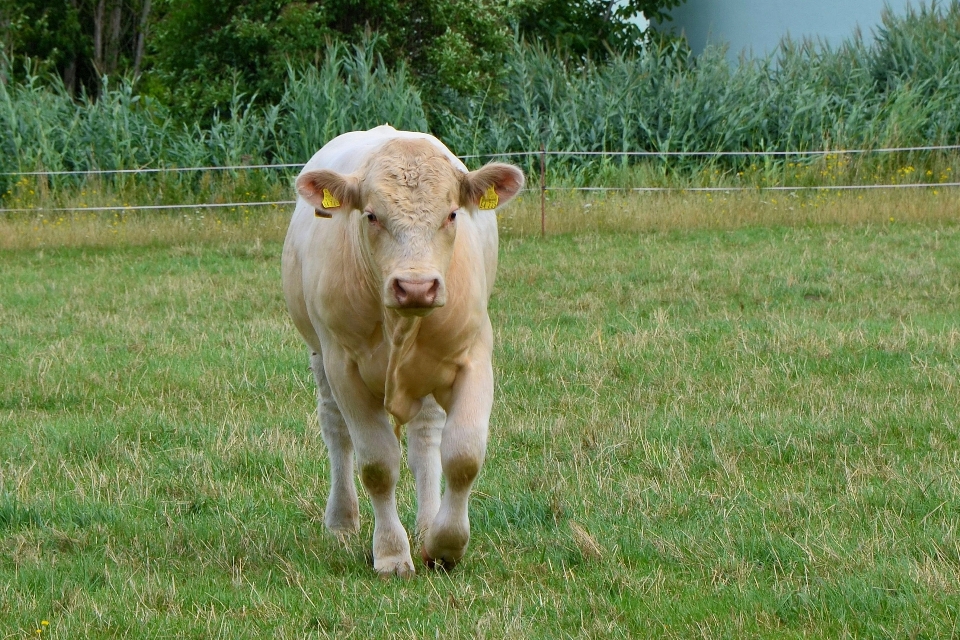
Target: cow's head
pixel 408 200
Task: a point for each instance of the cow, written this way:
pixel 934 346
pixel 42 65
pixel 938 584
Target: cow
pixel 388 266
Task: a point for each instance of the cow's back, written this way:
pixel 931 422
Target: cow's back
pixel 347 152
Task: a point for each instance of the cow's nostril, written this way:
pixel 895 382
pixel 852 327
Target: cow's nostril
pixel 431 294
pixel 399 292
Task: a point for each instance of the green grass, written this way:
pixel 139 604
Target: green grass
pixel 714 429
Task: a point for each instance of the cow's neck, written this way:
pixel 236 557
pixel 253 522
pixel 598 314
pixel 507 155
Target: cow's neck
pixel 363 263
pixel 401 335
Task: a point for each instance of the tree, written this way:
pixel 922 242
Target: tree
pixel 197 55
pixel 203 51
pixel 82 40
pixel 590 27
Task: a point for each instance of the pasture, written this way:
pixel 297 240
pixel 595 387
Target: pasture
pixel 726 415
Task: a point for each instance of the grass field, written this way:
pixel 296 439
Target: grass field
pixel 716 417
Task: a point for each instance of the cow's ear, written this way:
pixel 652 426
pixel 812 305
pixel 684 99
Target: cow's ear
pixel 329 192
pixel 491 186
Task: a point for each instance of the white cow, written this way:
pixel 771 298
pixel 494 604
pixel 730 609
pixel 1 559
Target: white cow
pixel 388 266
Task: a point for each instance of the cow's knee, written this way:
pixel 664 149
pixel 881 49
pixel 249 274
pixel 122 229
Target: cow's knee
pixel 332 426
pixel 378 478
pixel 330 416
pixel 461 470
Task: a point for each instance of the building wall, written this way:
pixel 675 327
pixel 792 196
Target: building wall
pixel 756 26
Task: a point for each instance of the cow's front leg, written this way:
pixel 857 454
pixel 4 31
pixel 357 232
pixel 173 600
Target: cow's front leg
pixel 342 515
pixel 462 450
pixel 378 460
pixel 423 456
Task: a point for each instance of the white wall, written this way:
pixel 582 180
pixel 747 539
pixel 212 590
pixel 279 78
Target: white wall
pixel 756 26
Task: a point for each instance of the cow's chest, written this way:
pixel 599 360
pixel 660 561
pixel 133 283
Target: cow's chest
pixel 406 363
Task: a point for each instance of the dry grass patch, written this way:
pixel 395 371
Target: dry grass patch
pixel 578 212
pixel 566 212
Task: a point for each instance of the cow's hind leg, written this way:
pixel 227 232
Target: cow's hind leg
pixel 423 456
pixel 342 515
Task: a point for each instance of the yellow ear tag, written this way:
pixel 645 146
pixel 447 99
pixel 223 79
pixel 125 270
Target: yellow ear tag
pixel 329 201
pixel 490 199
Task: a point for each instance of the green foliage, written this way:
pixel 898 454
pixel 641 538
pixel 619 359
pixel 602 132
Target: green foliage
pixel 197 55
pixel 807 96
pixel 44 29
pixel 204 52
pixel 591 28
pixel 349 91
pixel 81 40
pixel 43 127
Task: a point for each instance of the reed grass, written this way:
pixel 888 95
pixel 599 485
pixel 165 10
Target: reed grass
pixel 899 88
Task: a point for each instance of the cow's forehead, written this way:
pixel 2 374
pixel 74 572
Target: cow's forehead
pixel 412 176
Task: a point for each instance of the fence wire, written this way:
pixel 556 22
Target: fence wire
pixel 502 154
pixel 272 203
pixel 543 153
pixel 673 154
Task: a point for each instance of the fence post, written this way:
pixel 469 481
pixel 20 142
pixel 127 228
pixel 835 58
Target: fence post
pixel 543 191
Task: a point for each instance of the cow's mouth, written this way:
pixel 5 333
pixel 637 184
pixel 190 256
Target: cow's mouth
pixel 414 312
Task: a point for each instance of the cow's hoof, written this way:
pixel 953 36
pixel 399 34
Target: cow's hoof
pixel 343 527
pixel 444 545
pixel 437 564
pixel 344 537
pixel 344 533
pixel 387 569
pixel 343 521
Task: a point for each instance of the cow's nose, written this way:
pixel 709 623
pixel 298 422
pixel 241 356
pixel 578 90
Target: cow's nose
pixel 415 293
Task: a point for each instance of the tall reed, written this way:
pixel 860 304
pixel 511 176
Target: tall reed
pixel 898 88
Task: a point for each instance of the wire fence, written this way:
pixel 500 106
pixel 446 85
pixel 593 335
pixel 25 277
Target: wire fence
pixel 97 172
pixel 149 207
pixel 505 154
pixel 718 154
pixel 543 154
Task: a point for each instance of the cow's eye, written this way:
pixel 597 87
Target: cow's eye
pixel 372 217
pixel 452 217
